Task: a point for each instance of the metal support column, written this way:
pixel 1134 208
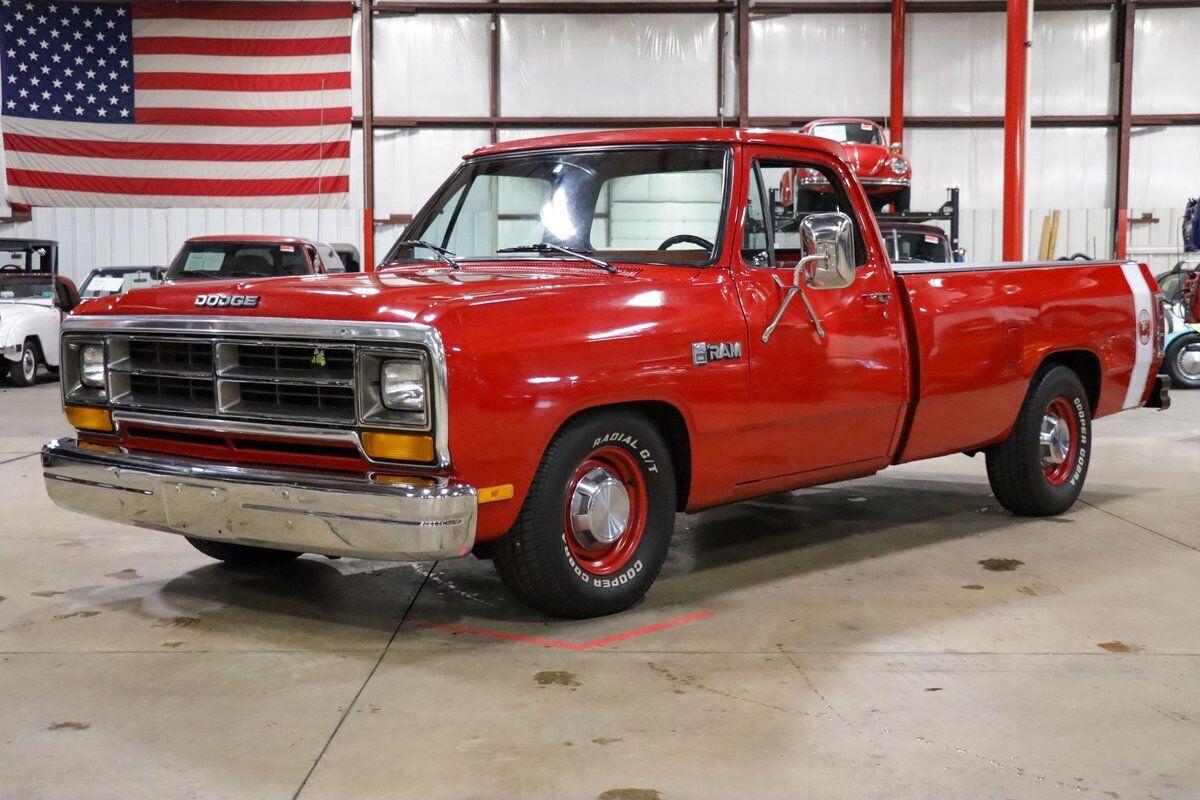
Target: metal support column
pixel 1016 125
pixel 896 115
pixel 1125 23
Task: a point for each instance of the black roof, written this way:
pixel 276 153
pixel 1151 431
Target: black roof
pixel 22 244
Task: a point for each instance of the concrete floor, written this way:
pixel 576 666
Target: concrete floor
pixel 857 647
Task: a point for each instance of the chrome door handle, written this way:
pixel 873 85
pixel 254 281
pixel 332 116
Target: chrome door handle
pixel 877 298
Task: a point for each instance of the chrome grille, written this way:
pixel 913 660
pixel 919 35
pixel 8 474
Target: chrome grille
pixel 227 353
pixel 310 380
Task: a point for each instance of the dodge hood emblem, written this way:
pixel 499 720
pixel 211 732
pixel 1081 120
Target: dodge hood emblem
pixel 232 300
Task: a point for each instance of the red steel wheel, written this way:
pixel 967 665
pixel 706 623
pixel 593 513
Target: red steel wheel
pixel 1059 440
pixel 605 510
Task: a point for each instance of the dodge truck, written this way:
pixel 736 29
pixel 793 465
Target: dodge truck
pixel 577 338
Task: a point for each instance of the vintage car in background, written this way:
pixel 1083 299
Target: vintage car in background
pixel 349 255
pixel 107 281
pixel 1182 361
pixel 33 300
pixel 884 172
pixel 215 258
pixel 915 243
pixel 577 338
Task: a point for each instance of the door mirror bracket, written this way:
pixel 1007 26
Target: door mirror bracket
pixel 803 273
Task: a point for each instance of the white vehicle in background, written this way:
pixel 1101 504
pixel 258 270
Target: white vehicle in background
pixel 33 301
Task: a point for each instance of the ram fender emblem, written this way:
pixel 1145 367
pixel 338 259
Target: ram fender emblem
pixel 703 352
pixel 223 300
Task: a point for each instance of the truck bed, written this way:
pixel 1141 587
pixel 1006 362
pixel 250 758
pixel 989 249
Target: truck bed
pixel 979 332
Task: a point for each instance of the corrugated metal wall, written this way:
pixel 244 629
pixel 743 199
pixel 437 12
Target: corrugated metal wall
pixel 665 64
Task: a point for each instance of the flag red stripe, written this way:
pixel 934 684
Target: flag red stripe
pixel 242 11
pixel 211 46
pixel 244 118
pixel 156 151
pixel 205 81
pixel 192 187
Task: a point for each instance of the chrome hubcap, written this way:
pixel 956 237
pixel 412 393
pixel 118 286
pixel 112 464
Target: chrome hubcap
pixel 28 365
pixel 1188 361
pixel 599 508
pixel 1055 439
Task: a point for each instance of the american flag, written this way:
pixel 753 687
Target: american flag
pixel 150 104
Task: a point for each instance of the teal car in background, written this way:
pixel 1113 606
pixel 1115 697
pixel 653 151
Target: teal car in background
pixel 1182 361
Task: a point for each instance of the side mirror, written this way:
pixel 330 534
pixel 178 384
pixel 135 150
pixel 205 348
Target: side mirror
pixel 830 236
pixel 960 255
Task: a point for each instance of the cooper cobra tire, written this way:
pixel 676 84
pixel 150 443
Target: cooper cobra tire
pixel 552 560
pixel 241 555
pixel 1183 375
pixel 24 372
pixel 1040 468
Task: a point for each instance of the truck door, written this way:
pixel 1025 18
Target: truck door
pixel 819 403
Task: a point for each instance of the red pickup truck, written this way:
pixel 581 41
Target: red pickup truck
pixel 578 338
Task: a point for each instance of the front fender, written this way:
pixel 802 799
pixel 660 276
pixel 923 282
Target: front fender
pixel 513 386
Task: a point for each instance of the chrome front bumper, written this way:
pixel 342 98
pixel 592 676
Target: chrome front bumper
pixel 285 510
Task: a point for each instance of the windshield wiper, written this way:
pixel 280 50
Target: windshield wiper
pixel 441 252
pixel 248 274
pixel 546 247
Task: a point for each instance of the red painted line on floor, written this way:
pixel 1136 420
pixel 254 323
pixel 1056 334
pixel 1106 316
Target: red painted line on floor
pixel 616 637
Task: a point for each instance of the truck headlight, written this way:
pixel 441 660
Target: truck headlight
pixel 92 369
pixel 899 165
pixel 402 385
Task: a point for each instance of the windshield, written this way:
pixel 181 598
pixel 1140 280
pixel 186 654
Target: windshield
pixel 16 288
pixel 849 132
pixel 103 284
pixel 648 204
pixel 216 260
pixel 917 246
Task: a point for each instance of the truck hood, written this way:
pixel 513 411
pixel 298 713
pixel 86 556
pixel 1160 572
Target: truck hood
pixel 33 307
pixel 866 159
pixel 409 294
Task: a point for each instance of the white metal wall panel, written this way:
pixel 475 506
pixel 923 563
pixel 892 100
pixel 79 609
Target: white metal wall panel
pixel 411 164
pixel 431 65
pixel 1071 64
pixel 1070 168
pixel 969 158
pixel 955 64
pixel 827 64
pixel 1164 166
pixel 1067 167
pixel 608 65
pixel 1164 61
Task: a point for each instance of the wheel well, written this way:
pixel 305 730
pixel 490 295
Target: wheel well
pixel 670 422
pixel 1083 363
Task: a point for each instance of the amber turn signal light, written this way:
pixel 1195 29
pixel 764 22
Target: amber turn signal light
pixel 398 446
pixel 89 419
pixel 490 494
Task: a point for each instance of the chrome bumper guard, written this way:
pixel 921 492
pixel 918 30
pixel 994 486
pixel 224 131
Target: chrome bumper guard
pixel 285 510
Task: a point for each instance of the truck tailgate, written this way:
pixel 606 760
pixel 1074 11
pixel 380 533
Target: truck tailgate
pixel 979 333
